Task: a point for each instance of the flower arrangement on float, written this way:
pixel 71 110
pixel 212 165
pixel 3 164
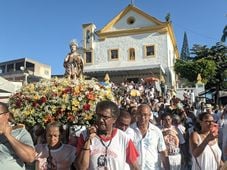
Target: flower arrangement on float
pixel 58 99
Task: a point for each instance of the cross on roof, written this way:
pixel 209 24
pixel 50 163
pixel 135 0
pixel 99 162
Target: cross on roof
pixel 132 2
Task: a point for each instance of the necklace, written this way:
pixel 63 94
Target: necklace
pixel 106 151
pixel 50 164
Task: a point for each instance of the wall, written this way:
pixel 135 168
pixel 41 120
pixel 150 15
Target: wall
pixel 101 58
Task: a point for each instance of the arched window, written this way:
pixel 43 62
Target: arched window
pixel 88 57
pixel 131 54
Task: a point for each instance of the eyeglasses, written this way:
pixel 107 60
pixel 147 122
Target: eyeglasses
pixel 103 117
pixel 209 121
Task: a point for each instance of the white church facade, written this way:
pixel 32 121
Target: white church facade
pixel 133 45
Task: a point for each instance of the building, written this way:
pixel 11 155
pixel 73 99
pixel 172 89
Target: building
pixel 133 45
pixel 24 70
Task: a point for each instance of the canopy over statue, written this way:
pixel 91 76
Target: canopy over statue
pixel 73 62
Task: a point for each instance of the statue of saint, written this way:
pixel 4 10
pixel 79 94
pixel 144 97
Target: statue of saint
pixel 199 79
pixel 73 63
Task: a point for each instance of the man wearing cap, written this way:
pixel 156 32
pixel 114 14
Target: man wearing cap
pixel 16 145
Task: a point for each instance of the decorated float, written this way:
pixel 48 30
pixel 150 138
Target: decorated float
pixel 70 100
pixel 58 99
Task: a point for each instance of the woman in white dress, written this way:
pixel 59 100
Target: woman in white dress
pixel 204 146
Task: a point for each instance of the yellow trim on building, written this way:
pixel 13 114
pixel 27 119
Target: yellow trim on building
pixel 124 12
pixel 161 27
pixel 135 31
pixel 173 39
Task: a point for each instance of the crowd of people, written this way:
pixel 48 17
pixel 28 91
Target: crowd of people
pixel 146 129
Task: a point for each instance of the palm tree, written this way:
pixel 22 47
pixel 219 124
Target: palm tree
pixel 224 35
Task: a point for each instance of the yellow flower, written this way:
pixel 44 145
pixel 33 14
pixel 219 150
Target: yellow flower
pixel 75 102
pixel 29 111
pixel 88 116
pixel 62 96
pixel 36 97
pixel 76 90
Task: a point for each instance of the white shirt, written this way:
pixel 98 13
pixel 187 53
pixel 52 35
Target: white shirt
pixel 149 146
pixel 130 132
pixel 119 147
pixel 63 157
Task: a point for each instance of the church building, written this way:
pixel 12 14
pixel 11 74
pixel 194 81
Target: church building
pixel 132 46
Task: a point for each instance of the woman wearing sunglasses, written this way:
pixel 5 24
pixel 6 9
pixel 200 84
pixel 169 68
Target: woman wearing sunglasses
pixel 204 145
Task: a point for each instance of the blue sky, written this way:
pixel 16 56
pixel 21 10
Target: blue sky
pixel 42 29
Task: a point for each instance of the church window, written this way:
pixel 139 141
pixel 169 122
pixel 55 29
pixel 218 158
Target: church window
pixel 149 51
pixel 131 20
pixel 131 54
pixel 88 57
pixel 113 54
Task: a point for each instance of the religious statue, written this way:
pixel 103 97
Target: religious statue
pixel 73 63
pixel 199 79
pixel 107 78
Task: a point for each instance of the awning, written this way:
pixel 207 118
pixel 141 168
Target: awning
pixel 6 86
pixel 122 67
pixel 210 91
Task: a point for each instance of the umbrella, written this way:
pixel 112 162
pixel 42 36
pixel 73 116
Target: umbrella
pixel 150 79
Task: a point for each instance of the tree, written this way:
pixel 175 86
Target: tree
pixel 209 62
pixel 190 69
pixel 224 35
pixel 199 51
pixel 185 55
pixel 218 54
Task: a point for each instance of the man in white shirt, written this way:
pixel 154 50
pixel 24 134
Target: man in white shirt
pixel 102 146
pixel 123 123
pixel 149 141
